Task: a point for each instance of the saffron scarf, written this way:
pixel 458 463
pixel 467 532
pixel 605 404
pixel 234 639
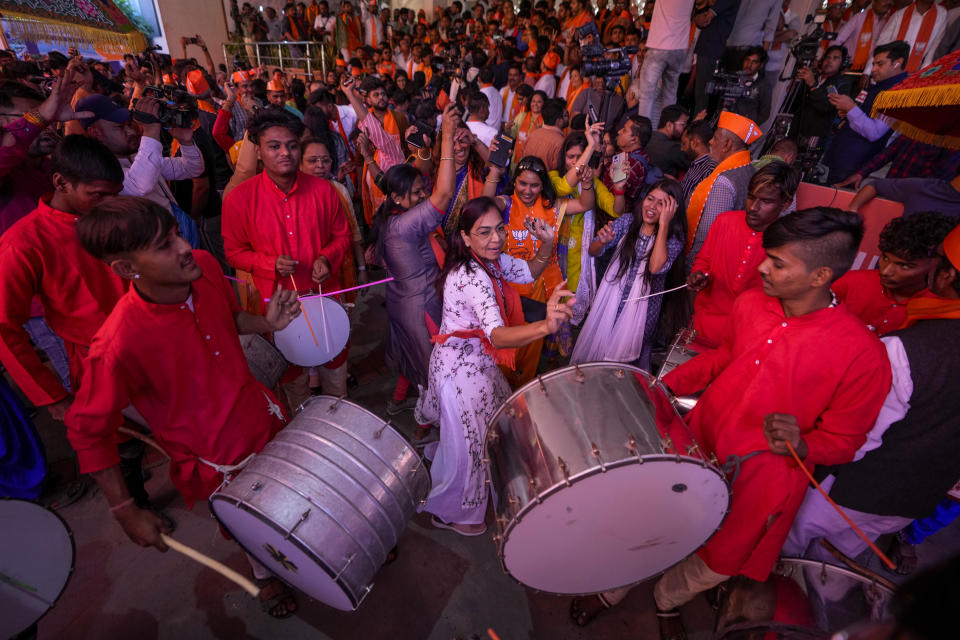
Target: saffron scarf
pixel 923 36
pixel 864 42
pixel 521 244
pixel 511 312
pixel 699 196
pixel 931 307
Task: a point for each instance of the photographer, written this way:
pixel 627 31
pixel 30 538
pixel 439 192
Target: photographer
pixel 755 103
pixel 817 113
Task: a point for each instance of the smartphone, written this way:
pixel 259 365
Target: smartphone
pixel 501 157
pixel 593 113
pixel 416 139
pixel 619 167
pixel 832 90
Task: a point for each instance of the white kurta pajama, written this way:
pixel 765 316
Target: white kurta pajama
pixel 465 389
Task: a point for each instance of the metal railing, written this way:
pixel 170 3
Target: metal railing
pixel 303 55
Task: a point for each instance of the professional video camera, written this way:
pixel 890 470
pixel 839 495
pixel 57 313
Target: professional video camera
pixel 178 109
pixel 595 56
pixel 807 48
pixel 734 85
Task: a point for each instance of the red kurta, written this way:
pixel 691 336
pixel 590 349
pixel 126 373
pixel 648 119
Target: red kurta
pixel 866 298
pixel 261 222
pixel 825 368
pixel 41 256
pixel 730 255
pixel 186 374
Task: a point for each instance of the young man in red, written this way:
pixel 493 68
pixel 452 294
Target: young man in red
pixel 171 349
pixel 794 368
pixel 727 264
pixel 284 223
pixel 908 247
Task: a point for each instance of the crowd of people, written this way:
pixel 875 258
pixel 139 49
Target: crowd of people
pixel 541 193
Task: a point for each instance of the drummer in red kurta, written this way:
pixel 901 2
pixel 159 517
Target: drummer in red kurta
pixel 794 367
pixel 727 264
pixel 170 348
pixel 908 246
pixel 283 222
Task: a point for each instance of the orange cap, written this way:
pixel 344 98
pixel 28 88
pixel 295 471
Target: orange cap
pixel 239 77
pixel 276 82
pixel 740 126
pixel 951 247
pixel 356 71
pixel 551 60
pixel 196 83
pixel 167 79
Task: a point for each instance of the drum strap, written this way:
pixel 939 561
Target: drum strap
pixel 732 466
pixel 228 470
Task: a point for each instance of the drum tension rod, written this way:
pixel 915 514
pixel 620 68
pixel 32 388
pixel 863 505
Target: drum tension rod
pixel 564 470
pixel 303 517
pixel 379 432
pixel 533 487
pixel 543 387
pixel 349 560
pixel 579 377
pixel 336 405
pixel 596 454
pixel 632 448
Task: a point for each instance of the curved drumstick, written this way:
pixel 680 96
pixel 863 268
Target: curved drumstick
pixel 304 311
pixel 207 561
pixel 143 438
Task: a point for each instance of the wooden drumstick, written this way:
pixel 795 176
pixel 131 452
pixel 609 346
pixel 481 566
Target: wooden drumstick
pixel 323 319
pixel 127 431
pixel 304 311
pixel 207 561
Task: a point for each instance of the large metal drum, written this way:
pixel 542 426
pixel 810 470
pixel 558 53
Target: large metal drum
pixel 36 561
pixel 326 500
pixel 679 353
pixel 598 481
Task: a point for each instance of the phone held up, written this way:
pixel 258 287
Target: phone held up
pixel 501 157
pixel 619 167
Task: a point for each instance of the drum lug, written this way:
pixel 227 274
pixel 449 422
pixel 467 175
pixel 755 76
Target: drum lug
pixel 666 444
pixel 632 448
pixel 502 523
pixel 511 412
pixel 513 501
pixel 349 560
pixel 533 487
pixel 256 486
pixel 379 432
pixel 694 450
pixel 336 405
pixel 543 387
pixel 497 539
pixel 493 437
pixel 596 454
pixel 579 377
pixel 564 470
pixel 303 517
pixel 619 373
pixel 713 460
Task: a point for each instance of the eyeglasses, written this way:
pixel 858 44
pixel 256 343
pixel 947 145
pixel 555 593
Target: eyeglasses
pixel 531 163
pixel 486 232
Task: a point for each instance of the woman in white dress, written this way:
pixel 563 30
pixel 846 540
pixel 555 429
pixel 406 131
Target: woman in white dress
pixel 482 326
pixel 623 318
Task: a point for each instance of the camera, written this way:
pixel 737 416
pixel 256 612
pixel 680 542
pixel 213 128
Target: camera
pixel 595 60
pixel 733 85
pixel 807 48
pixel 177 108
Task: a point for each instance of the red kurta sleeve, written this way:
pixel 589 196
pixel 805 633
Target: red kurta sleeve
pixel 853 409
pixel 20 280
pixel 237 230
pixel 221 130
pixel 704 257
pixel 94 417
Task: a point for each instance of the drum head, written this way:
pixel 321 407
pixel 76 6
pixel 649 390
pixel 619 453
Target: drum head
pixel 286 557
pixel 296 342
pixel 36 560
pixel 601 533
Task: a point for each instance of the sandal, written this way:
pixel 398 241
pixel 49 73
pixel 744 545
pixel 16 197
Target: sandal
pixel 282 604
pixel 468 530
pixel 584 615
pixel 904 555
pixel 671 626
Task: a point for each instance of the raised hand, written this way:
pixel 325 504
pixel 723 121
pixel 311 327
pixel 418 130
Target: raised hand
pixel 559 312
pixel 698 281
pixel 283 308
pixel 539 229
pixel 606 234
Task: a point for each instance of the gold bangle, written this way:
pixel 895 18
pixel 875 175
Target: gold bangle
pixel 34 117
pixel 442 158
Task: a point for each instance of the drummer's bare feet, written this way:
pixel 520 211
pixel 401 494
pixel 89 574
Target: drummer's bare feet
pixel 276 598
pixel 584 610
pixel 462 529
pixel 671 626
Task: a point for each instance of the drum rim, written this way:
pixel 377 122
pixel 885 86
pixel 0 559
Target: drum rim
pixel 557 487
pixel 295 539
pixel 847 571
pixel 73 554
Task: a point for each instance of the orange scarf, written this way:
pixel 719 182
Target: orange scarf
pixel 576 21
pixel 699 196
pixel 387 69
pixel 832 29
pixel 573 96
pixel 371 195
pixel 929 307
pixel 511 312
pixel 528 122
pixel 864 43
pixel 923 36
pixel 514 106
pixel 521 244
pixel 373 31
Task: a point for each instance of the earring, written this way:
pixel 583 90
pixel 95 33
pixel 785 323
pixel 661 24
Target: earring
pixel 136 276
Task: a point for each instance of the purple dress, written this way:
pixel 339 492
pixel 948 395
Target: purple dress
pixel 409 259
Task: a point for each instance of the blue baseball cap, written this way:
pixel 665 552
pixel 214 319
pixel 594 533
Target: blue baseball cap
pixel 103 108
